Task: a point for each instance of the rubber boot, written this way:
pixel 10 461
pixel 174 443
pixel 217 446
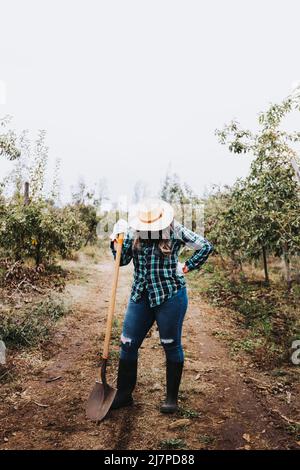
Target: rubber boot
pixel 174 373
pixel 127 374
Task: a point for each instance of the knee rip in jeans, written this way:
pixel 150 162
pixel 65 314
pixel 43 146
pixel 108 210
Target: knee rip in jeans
pixel 126 343
pixel 125 340
pixel 166 341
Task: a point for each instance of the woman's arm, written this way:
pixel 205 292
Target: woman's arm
pixel 203 248
pixel 126 255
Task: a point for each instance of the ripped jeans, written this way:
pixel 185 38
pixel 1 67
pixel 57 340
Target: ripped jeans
pixel 169 317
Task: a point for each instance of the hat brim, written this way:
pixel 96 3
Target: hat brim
pixel 163 222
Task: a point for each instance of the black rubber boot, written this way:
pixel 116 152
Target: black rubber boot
pixel 174 373
pixel 127 374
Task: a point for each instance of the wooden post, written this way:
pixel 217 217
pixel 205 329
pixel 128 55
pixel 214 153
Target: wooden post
pixel 26 194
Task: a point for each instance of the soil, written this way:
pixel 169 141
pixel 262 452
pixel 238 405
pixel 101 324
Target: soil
pixel 226 402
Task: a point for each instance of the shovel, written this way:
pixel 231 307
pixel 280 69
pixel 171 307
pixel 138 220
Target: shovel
pixel 103 395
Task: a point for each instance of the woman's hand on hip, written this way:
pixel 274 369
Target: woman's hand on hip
pixel 182 268
pixel 185 269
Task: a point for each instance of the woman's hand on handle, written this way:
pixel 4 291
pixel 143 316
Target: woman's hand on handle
pixel 121 226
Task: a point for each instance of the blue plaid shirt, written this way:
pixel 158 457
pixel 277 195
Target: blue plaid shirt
pixel 157 273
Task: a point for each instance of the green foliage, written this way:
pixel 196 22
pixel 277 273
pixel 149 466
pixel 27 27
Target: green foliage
pixel 206 439
pixel 88 216
pixel 172 444
pixel 187 413
pixel 37 227
pixel 187 205
pixel 87 205
pixel 294 430
pixel 8 142
pixel 31 325
pixel 174 192
pixel 39 230
pixel 38 167
pixel 260 215
pixel 269 318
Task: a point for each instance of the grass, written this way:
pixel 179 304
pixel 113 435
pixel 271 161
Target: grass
pixel 187 413
pixel 206 439
pixel 172 444
pixel 116 332
pixel 247 345
pixel 221 334
pixel 279 373
pixel 269 315
pixel 114 355
pixel 5 375
pixel 92 251
pixel 32 324
pixel 182 395
pixel 96 251
pixel 294 430
pixel 116 324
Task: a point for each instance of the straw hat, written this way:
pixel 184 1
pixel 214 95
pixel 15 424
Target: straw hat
pixel 151 215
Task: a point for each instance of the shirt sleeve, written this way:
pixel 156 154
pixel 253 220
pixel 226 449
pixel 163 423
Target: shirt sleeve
pixel 203 248
pixel 126 255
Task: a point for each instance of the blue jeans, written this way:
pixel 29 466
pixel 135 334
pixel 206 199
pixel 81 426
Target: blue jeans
pixel 169 317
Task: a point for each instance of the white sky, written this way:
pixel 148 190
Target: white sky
pixel 123 88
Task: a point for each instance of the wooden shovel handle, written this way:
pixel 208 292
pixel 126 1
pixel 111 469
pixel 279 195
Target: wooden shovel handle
pixel 112 301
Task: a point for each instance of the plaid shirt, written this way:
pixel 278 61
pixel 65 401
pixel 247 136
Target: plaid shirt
pixel 156 272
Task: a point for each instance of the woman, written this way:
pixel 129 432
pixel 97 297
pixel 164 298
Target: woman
pixel 158 292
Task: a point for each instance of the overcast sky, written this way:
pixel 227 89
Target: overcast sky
pixel 125 87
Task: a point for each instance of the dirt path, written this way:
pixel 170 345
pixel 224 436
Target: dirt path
pixel 222 406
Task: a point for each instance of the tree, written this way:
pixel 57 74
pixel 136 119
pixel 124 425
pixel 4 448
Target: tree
pixel 181 196
pixel 30 166
pixel 101 192
pixel 8 139
pixel 38 168
pixel 39 231
pixel 86 205
pixel 32 227
pixel 270 195
pixel 140 191
pixel 55 189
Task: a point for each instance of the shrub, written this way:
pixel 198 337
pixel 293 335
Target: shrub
pixel 31 325
pixel 39 230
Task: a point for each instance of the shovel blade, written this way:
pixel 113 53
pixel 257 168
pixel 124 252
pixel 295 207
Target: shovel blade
pixel 100 401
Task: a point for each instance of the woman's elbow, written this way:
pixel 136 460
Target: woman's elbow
pixel 211 248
